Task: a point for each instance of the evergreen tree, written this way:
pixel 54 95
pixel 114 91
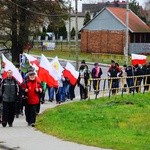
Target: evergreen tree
pixel 73 32
pixel 50 28
pixel 63 31
pixel 20 17
pixel 44 29
pixel 43 34
pixel 135 7
pixel 87 18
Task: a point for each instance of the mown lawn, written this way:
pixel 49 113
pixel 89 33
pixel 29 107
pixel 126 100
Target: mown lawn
pixel 117 123
pixel 63 54
pixel 88 57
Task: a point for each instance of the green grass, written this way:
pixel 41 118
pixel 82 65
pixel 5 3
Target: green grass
pixel 71 55
pixel 64 54
pixel 117 123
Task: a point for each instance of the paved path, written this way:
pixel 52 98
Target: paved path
pixel 22 137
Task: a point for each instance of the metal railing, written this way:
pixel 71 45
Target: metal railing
pixel 107 57
pixel 118 85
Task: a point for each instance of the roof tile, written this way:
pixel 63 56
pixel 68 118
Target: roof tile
pixel 135 23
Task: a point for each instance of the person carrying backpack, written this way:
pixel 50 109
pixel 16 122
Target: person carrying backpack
pixel 9 95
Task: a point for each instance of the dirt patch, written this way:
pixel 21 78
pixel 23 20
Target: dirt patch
pixel 112 103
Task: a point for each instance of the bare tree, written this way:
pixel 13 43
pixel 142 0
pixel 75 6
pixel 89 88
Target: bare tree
pixel 20 17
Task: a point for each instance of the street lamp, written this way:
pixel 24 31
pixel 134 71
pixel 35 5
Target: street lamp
pixel 127 32
pixel 76 35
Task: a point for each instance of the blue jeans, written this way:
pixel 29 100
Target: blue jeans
pixel 51 93
pixel 130 83
pixel 60 96
pixel 67 91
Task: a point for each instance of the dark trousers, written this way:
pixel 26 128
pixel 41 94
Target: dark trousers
pixel 71 92
pixel 8 114
pixel 130 83
pixel 51 92
pixel 38 107
pixel 60 95
pixel 146 83
pixel 42 98
pixel 138 84
pixel 96 85
pixel 83 92
pixel 30 112
pixel 18 107
pixel 115 86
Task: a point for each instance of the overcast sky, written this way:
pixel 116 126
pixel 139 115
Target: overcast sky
pixel 80 2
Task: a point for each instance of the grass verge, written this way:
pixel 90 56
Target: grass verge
pixel 117 123
pixel 89 57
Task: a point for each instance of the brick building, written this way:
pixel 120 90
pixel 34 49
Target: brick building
pixel 105 33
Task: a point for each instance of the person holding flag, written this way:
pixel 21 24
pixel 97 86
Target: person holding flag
pixel 33 88
pixel 137 62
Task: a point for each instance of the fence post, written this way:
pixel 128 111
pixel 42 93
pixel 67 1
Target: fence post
pixel 88 88
pixel 145 84
pixel 103 87
pixel 96 92
pixel 134 84
pixel 110 85
pixel 122 86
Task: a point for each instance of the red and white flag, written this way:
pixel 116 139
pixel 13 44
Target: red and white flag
pixel 138 59
pixel 47 73
pixel 57 66
pixel 9 66
pixel 32 60
pixel 71 73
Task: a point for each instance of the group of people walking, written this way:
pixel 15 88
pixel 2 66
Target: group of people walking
pixel 31 93
pixel 131 77
pixel 12 94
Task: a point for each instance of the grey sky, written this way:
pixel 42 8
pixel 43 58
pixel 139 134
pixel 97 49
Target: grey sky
pixel 80 2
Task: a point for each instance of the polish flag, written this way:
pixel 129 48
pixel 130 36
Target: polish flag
pixel 138 59
pixel 9 66
pixel 71 73
pixel 32 60
pixel 47 73
pixel 57 66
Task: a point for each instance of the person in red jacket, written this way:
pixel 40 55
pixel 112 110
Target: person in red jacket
pixel 33 88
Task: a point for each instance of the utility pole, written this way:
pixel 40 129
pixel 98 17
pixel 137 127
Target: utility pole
pixel 69 32
pixel 127 32
pixel 76 40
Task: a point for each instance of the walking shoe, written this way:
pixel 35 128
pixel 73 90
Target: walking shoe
pixel 4 124
pixel 10 125
pixel 50 100
pixel 17 116
pixel 29 124
pixel 32 125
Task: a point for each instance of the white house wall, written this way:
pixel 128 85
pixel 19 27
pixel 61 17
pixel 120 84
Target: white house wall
pixel 73 23
pixel 104 21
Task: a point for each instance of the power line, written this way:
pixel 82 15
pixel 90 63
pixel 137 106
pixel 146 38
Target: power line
pixel 42 14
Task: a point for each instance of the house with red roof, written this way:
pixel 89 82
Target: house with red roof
pixel 105 33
